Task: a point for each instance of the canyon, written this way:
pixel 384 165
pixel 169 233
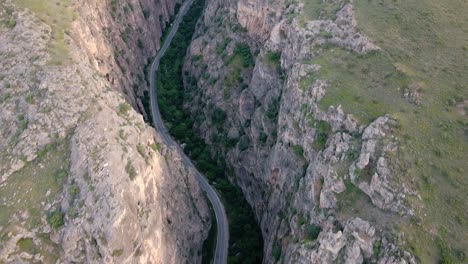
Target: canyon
pixel 334 131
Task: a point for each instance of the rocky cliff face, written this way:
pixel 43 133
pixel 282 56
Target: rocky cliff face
pixel 83 178
pixel 320 181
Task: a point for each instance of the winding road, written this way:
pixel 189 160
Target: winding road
pixel 221 252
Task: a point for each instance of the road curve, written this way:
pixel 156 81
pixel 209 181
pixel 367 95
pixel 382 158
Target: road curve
pixel 221 252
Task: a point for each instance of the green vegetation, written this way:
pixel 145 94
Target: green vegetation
pixel 262 137
pixel 320 9
pixel 124 108
pixel 26 245
pixel 323 129
pixel 218 117
pixel 424 49
pixel 74 191
pixel 366 86
pixel 276 251
pixel 298 150
pixel 220 49
pixel 59 16
pixel 242 52
pixel 55 219
pixel 273 58
pixel 117 253
pixel 377 245
pixel 131 171
pixel 312 232
pixel 273 110
pixel 25 192
pixel 239 62
pixel 156 146
pixel 245 243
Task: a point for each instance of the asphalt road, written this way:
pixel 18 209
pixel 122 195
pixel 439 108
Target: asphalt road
pixel 221 252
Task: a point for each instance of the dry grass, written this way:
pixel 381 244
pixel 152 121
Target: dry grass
pixel 425 44
pixel 58 14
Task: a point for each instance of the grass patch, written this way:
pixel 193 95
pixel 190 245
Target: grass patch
pixel 58 15
pixel 425 42
pixel 321 9
pixel 366 86
pixel 26 245
pixel 25 191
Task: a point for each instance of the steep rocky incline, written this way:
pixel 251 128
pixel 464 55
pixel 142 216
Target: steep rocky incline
pixel 307 171
pixel 83 178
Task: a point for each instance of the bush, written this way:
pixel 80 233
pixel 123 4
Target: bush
pixel 124 108
pixel 276 251
pixel 243 51
pixel 273 109
pixel 377 245
pixel 323 132
pixel 11 23
pixel 273 58
pixel 130 170
pixel 55 219
pixel 312 232
pixel 298 150
pixel 262 137
pixel 218 117
pixel 222 46
pixel 74 191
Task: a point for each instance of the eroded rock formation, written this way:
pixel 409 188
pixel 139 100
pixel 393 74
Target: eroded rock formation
pixel 83 178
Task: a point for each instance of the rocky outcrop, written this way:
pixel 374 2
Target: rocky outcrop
pixel 120 38
pixel 83 178
pixel 294 160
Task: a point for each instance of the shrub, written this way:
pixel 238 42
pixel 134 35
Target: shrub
pixel 273 58
pixel 218 117
pixel 273 109
pixel 124 108
pixel 244 143
pixel 156 146
pixel 298 150
pixel 222 46
pixel 117 252
pixel 141 150
pixel 11 23
pixel 276 251
pixel 74 191
pixel 262 137
pixel 243 51
pixel 377 245
pixel 130 170
pixel 312 232
pixel 323 132
pixel 55 219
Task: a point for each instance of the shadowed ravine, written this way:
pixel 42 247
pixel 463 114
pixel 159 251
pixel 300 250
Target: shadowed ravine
pixel 221 219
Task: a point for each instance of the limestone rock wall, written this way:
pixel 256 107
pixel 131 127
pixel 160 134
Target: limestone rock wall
pixel 83 178
pixel 295 162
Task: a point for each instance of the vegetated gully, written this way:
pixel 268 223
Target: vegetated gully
pixel 221 218
pixel 246 243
